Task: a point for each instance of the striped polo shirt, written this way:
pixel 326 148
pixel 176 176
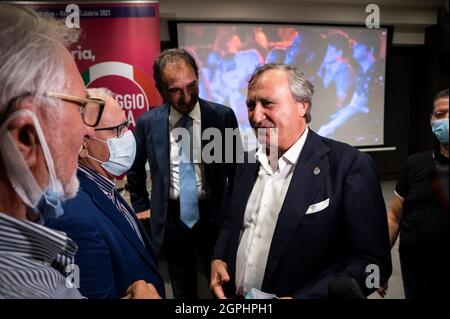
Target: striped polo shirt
pixel 30 258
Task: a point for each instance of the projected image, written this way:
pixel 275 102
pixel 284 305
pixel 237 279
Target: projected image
pixel 345 64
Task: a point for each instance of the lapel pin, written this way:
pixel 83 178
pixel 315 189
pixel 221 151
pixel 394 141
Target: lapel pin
pixel 316 170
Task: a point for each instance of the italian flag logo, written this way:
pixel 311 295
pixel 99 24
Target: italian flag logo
pixel 113 68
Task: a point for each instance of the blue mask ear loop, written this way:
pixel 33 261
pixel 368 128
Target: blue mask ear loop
pixel 50 206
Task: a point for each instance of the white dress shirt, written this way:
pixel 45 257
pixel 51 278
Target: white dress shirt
pixel 174 117
pixel 261 215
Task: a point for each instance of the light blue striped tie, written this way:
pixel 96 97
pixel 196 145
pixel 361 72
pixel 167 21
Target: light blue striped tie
pixel 189 213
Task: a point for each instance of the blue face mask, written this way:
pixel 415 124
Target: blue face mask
pixel 49 206
pixel 440 129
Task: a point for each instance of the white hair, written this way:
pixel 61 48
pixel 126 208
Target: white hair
pixel 31 55
pixel 71 188
pixel 100 93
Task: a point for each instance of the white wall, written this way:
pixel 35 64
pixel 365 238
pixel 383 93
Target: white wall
pixel 409 18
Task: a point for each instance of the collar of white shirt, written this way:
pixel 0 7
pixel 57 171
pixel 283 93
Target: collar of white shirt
pixel 287 160
pixel 175 116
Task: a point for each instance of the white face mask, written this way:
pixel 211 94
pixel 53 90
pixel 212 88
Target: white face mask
pixel 18 172
pixel 122 151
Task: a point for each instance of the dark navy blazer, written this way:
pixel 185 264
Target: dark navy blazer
pixel 110 254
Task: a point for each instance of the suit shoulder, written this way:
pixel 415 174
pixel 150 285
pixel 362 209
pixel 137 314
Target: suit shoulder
pixel 337 146
pixel 80 214
pixel 81 207
pixel 82 198
pixel 219 108
pixel 153 111
pixel 344 152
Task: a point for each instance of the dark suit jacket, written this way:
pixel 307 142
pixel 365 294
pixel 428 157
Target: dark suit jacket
pixel 153 144
pixel 110 254
pixel 308 251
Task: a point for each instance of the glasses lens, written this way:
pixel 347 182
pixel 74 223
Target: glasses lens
pixel 91 113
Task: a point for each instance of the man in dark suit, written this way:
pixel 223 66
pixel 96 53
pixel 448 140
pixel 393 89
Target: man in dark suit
pixel 188 198
pixel 302 219
pixel 113 249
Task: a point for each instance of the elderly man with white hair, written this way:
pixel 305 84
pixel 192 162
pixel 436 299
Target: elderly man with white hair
pixel 113 249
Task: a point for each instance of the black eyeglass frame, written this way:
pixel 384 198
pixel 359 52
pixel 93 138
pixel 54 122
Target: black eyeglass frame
pixel 120 129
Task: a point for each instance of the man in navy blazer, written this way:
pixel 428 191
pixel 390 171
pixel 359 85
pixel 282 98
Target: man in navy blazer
pixel 303 218
pixel 113 249
pixel 176 77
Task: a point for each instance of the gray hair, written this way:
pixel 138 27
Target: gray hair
pixel 301 88
pixel 31 55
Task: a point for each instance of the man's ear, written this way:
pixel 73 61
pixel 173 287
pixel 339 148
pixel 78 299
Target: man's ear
pixel 303 108
pixel 24 134
pixel 83 151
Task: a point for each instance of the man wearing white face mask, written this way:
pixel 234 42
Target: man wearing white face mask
pixel 113 250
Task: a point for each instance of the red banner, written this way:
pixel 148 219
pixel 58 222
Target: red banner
pixel 119 42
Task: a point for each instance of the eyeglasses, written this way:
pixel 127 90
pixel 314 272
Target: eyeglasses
pixel 119 129
pixel 91 109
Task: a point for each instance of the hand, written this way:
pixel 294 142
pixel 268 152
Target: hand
pixel 219 276
pixel 382 291
pixel 142 290
pixel 144 214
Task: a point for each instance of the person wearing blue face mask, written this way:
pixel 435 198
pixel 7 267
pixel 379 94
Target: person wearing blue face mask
pixel 419 212
pixel 113 249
